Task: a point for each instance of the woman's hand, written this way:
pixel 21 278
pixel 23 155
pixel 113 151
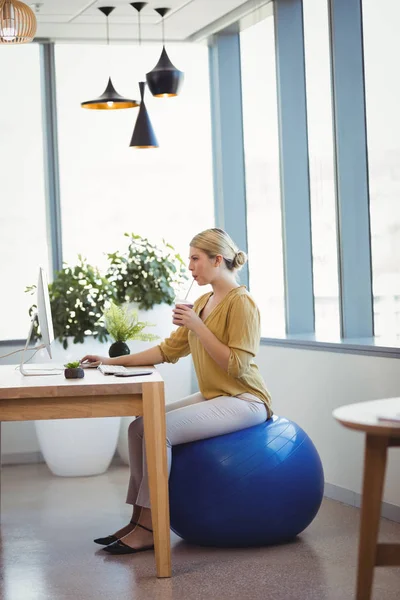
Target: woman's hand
pixel 94 360
pixel 184 315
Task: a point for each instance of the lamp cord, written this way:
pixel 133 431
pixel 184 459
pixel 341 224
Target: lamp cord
pixel 140 30
pixel 14 352
pixel 21 350
pixel 37 350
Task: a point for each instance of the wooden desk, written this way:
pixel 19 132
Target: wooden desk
pixel 380 435
pixel 54 397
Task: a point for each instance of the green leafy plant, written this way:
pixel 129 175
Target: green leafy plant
pixel 73 365
pixel 78 296
pixel 123 324
pixel 146 273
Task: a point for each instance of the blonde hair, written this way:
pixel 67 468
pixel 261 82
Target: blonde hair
pixel 217 241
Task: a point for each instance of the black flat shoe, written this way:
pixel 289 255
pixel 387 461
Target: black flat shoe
pixel 109 539
pixel 105 541
pixel 119 547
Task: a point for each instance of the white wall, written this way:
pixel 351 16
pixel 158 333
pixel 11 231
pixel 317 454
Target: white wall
pixel 307 386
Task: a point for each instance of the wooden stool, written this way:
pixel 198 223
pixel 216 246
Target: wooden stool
pixel 380 435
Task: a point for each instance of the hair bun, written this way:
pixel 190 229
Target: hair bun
pixel 239 260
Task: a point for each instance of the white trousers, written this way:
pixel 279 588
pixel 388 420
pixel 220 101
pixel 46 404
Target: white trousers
pixel 193 418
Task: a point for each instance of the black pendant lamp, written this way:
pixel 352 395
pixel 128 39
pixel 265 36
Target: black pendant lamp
pixel 109 99
pixel 138 6
pixel 165 79
pixel 143 135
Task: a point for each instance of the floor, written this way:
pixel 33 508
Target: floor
pixel 47 552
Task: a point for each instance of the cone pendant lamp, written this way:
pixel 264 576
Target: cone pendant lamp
pixel 109 99
pixel 17 22
pixel 165 79
pixel 143 134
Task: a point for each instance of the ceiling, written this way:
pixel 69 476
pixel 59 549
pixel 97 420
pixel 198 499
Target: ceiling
pixel 80 20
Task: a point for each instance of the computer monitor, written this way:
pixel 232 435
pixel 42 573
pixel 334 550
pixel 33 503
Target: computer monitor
pixel 44 311
pixel 46 326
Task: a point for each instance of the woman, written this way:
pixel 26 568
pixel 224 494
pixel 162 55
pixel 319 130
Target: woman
pixel 222 332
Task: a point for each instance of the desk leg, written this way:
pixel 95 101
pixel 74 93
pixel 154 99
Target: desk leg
pixel 156 451
pixel 374 477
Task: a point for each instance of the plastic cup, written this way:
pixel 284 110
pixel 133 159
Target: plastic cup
pixel 181 301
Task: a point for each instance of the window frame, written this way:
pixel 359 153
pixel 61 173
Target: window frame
pixel 355 285
pixel 50 162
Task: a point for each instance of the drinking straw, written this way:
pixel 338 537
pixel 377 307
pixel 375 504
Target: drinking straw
pixel 187 293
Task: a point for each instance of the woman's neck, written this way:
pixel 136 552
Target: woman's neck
pixel 222 287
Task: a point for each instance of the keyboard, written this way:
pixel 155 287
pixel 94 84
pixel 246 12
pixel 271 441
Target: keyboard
pixel 118 370
pixel 111 369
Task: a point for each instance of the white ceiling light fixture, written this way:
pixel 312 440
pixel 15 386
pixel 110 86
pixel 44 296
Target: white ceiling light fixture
pixel 36 6
pixel 17 22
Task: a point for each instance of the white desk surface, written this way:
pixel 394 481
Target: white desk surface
pixel 15 385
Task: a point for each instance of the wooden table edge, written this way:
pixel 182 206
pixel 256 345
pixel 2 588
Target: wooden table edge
pixel 370 429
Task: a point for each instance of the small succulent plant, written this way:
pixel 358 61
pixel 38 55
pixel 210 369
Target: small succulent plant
pixel 73 365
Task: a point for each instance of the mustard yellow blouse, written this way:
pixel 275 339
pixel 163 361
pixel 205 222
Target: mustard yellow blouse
pixel 235 321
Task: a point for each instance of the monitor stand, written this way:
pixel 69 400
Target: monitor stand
pixel 36 372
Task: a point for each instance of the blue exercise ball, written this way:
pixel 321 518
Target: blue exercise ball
pixel 258 486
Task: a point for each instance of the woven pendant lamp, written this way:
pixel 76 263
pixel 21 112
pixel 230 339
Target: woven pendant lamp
pixel 109 99
pixel 165 79
pixel 17 22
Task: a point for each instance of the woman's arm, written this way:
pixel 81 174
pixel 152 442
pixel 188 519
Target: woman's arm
pixel 152 356
pixel 216 349
pixel 170 350
pixel 243 335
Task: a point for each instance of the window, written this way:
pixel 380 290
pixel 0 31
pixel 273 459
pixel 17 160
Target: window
pixel 261 147
pixel 108 188
pixel 381 50
pixel 322 186
pixel 23 241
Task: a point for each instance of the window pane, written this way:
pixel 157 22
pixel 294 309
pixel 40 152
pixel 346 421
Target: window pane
pixel 322 186
pixel 261 146
pixel 381 48
pixel 108 188
pixel 23 242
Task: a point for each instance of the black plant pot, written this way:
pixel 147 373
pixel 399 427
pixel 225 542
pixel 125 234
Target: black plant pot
pixel 118 349
pixel 77 373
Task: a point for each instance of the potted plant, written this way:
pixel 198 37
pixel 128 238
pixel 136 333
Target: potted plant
pixel 78 295
pixel 123 324
pixel 146 274
pixel 73 370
